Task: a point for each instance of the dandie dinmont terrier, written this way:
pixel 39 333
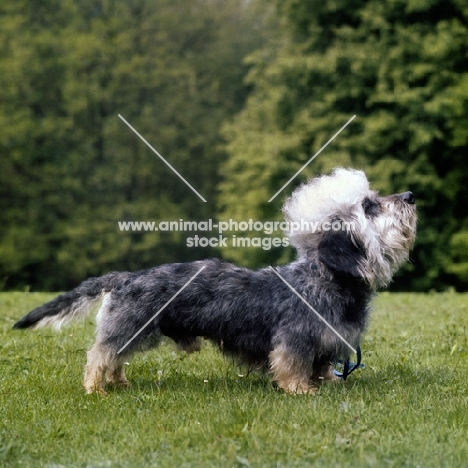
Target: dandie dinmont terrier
pixel 350 241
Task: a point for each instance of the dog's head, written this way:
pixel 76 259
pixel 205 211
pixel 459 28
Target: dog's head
pixel 340 222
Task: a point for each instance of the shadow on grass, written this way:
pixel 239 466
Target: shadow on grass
pixel 255 383
pixel 259 383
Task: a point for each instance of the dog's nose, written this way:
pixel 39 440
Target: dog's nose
pixel 408 197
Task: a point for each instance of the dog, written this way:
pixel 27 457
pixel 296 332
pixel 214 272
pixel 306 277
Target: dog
pixel 295 321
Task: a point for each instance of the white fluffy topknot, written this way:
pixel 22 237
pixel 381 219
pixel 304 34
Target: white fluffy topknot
pixel 323 197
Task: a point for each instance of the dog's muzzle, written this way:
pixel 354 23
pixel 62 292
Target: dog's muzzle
pixel 407 197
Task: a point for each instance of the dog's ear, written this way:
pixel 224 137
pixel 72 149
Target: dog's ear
pixel 338 252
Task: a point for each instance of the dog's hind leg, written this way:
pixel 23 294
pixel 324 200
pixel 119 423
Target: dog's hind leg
pixel 102 362
pixel 290 371
pixel 116 375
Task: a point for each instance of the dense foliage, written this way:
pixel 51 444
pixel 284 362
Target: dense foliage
pixel 237 96
pixel 71 169
pixel 401 67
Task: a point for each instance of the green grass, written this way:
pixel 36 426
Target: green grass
pixel 408 407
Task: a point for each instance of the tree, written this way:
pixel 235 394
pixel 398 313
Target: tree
pixel 71 169
pixel 400 67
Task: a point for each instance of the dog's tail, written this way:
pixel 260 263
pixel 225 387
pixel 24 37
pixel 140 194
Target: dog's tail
pixel 71 305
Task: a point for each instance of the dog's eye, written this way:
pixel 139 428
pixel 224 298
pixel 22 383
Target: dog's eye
pixel 371 207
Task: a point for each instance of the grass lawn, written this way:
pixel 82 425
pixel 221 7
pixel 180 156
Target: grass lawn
pixel 408 407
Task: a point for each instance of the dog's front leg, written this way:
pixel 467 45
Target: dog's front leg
pixel 290 371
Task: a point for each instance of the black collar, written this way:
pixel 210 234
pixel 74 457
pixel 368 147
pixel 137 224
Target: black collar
pixel 349 367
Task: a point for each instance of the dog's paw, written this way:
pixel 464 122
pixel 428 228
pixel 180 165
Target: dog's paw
pixel 97 391
pixel 295 388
